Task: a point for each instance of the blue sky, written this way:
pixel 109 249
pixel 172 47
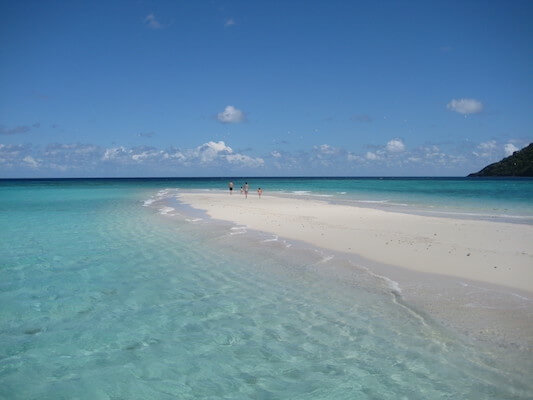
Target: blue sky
pixel 203 88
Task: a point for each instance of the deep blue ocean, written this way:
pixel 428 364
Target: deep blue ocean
pixel 102 297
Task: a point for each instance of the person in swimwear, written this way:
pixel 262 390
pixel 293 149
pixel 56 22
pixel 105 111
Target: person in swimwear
pixel 230 185
pixel 259 192
pixel 246 188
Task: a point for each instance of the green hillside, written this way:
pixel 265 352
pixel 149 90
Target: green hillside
pixel 520 163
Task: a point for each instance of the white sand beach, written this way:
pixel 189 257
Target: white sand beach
pixel 473 276
pixel 491 252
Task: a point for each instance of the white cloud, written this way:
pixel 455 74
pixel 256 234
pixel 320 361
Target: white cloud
pixel 372 156
pixel 115 153
pixel 354 157
pixel 245 160
pixel 217 146
pixel 85 157
pixel 208 154
pixel 230 115
pixel 509 149
pixel 485 149
pixel 152 22
pixel 174 154
pixel 86 149
pixel 490 145
pixel 326 155
pixel 431 151
pixel 30 161
pixel 465 106
pixel 326 149
pixel 395 146
pixel 209 151
pixel 71 156
pixel 229 22
pixel 389 158
pixel 12 154
pixel 212 153
pixel 12 149
pixel 147 154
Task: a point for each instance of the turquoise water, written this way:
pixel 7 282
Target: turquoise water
pixel 462 196
pixel 102 298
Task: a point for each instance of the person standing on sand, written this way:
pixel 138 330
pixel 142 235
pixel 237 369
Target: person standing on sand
pixel 242 190
pixel 230 185
pixel 259 192
pixel 246 188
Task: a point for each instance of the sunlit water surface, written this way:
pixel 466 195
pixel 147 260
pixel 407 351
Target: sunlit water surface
pixel 104 298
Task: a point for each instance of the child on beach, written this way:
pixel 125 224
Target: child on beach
pixel 246 187
pixel 230 185
pixel 242 190
pixel 259 192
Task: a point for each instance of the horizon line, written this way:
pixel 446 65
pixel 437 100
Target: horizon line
pixel 263 177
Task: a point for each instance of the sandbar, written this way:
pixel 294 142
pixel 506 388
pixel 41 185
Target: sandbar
pixel 492 252
pixel 474 276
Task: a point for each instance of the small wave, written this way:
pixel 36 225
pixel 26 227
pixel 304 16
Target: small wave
pixel 324 258
pixel 373 201
pixel 521 297
pixel 161 195
pixel 393 285
pixel 341 192
pixel 471 214
pixel 148 202
pixel 273 239
pixel 464 284
pixel 476 305
pixel 193 219
pixel 301 192
pixel 238 230
pixel 165 210
pixel 388 202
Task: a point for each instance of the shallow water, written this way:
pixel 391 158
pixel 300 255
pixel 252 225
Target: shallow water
pixel 504 198
pixel 104 298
